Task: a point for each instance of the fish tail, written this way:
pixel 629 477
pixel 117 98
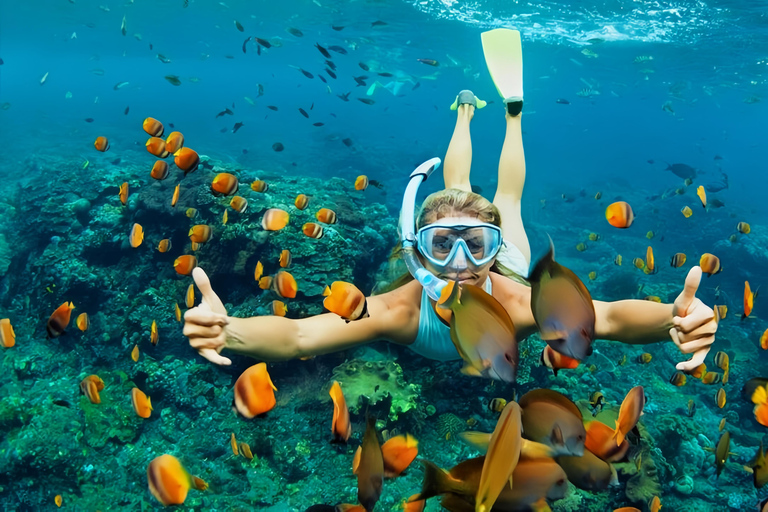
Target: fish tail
pixel 618 435
pixel 436 481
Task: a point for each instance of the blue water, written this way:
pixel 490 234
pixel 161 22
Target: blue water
pixel 709 67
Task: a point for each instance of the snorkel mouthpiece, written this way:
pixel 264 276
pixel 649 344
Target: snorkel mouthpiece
pixel 429 281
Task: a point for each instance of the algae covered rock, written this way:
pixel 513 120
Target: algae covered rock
pixel 373 382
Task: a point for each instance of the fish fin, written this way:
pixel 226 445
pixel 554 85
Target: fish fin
pixel 557 435
pixel 540 506
pixel 436 481
pixel 553 335
pixel 618 435
pixel 614 476
pixel 543 264
pixel 477 440
pixel 471 371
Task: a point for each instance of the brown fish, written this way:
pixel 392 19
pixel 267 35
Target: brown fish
pixel 501 458
pixel 370 472
pixel 562 307
pixel 588 472
pixel 551 418
pixel 482 332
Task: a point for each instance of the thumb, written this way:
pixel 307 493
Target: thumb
pixel 686 298
pixel 209 296
pixel 214 357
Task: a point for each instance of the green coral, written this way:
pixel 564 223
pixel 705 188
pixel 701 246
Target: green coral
pixel 371 382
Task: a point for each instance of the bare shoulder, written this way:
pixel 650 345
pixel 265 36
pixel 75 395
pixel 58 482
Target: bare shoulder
pixel 398 312
pixel 516 299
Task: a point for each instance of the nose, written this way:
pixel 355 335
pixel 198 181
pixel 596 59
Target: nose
pixel 459 261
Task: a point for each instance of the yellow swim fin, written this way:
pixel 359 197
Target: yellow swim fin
pixel 504 56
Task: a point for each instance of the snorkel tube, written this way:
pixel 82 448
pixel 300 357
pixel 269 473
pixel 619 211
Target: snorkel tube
pixel 431 283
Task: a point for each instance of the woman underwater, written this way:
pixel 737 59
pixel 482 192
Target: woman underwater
pixel 460 236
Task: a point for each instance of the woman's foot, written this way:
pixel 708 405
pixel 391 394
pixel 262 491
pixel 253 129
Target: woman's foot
pixel 467 97
pixel 514 105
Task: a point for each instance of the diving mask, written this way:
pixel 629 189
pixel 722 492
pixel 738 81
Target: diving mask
pixel 440 242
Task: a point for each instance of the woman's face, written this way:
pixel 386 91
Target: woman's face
pixel 460 267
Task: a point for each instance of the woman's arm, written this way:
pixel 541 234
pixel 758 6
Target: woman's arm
pixel 636 322
pixel 271 338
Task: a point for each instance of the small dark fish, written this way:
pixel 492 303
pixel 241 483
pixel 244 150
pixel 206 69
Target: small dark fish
pixel 223 130
pixel 360 80
pixel 429 62
pixel 238 26
pixel 380 185
pixel 562 101
pixel 385 74
pixel 119 85
pixel 323 51
pixel 475 188
pixel 171 125
pixel 331 64
pixel 347 142
pixel 125 112
pixel 116 161
pixel 245 43
pixel 225 112
pixel 322 79
pixel 272 107
pixel 229 56
pixel 364 66
pixel 233 104
pixel 173 79
pixel 337 28
pixel 162 58
pixel 150 46
pixel 418 84
pixel 62 403
pixel 338 49
pixel 650 162
pixel 1 62
pixel 330 73
pixel 718 157
pixel 263 42
pixel 306 73
pixel 367 101
pixel 245 151
pixel 715 203
pixel 278 146
pixel 333 115
pixel 344 97
pixel 318 124
pixel 295 32
pixel 258 49
pixel 88 119
pixel 379 23
pixel 259 90
pixel 304 113
pixel 237 127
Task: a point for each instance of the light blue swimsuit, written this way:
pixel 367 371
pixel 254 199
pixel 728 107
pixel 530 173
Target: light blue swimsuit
pixel 434 338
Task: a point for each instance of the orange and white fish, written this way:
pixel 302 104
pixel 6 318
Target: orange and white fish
pixel 619 214
pixel 142 405
pixel 185 264
pixel 169 482
pixel 347 301
pixel 629 413
pixel 59 320
pixel 101 144
pixel 254 392
pixel 275 219
pixel 341 427
pixel 137 235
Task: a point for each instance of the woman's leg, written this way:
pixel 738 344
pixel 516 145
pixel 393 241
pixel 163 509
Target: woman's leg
pixel 458 158
pixel 510 188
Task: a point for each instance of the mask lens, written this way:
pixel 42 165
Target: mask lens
pixel 440 244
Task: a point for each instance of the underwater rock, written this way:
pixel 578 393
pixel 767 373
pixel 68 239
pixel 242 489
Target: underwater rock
pixel 372 382
pixel 684 484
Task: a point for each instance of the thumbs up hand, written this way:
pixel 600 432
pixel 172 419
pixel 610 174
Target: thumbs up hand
pixel 205 325
pixel 694 323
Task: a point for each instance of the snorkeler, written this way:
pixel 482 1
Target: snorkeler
pixel 457 236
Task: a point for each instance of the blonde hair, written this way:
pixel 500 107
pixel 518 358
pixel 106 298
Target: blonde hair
pixel 451 202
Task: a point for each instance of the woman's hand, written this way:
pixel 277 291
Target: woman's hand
pixel 205 325
pixel 694 323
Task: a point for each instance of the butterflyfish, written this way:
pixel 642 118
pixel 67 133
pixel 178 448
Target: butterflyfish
pixel 189 299
pixel 135 354
pixel 326 216
pixel 743 228
pixel 347 301
pixel 481 331
pixel 686 211
pixel 275 219
pixel 341 427
pixel 123 194
pixel 186 159
pixel 285 285
pixel 619 214
pixel 153 127
pixel 164 245
pixel 101 144
pixel 313 230
pixel 285 258
pixel 169 482
pixel 185 264
pixel 200 233
pixel 137 235
pixel 225 184
pixel 301 202
pixel 278 308
pixel 556 361
pixel 90 386
pixel 142 405
pixel 710 264
pixel 59 320
pixel 175 197
pixel 702 195
pixel 239 204
pixel 629 413
pixel 159 170
pixel 154 336
pixel 156 147
pixel 562 308
pixel 262 186
pixel 254 392
pixel 7 335
pixel 258 271
pixel 174 142
pixel 361 182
